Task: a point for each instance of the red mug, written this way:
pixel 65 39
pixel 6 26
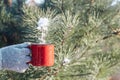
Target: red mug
pixel 42 54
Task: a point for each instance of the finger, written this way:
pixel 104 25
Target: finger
pixel 23 68
pixel 22 45
pixel 25 51
pixel 27 59
pixel 20 68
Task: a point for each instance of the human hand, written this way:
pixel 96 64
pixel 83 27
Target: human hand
pixel 15 57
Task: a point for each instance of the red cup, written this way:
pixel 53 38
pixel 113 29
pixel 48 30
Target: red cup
pixel 42 54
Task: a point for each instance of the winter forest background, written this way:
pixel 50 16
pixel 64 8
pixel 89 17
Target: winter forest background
pixel 86 35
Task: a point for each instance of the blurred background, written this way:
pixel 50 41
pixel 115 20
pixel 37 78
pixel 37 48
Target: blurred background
pixel 86 35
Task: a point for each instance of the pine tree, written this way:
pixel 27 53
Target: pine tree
pixel 85 34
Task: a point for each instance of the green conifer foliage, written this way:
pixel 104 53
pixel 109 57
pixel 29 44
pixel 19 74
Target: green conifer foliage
pixel 85 34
